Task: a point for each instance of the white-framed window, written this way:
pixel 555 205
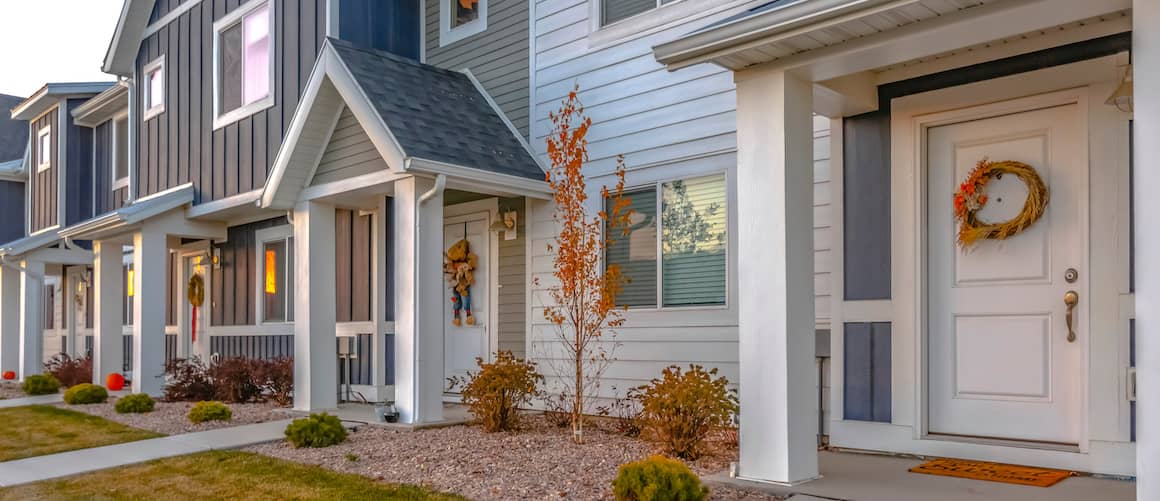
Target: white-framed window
pixel 43 149
pixel 153 88
pixel 243 62
pixel 119 156
pixel 275 269
pixel 459 19
pixel 613 11
pixel 676 250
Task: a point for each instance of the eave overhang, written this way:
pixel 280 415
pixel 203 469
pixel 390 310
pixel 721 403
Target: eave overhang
pixel 29 243
pixel 129 217
pixel 122 52
pixel 51 94
pixel 102 107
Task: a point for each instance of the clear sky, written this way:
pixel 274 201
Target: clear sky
pixel 45 41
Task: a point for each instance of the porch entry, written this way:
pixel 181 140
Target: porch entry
pixel 196 325
pixel 1000 362
pixel 464 342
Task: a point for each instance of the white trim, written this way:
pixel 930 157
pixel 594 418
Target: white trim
pixel 230 202
pixel 655 19
pixel 156 65
pixel 333 11
pixel 449 35
pixel 62 166
pixel 283 233
pixel 488 209
pixel 503 116
pixel 492 183
pixel 43 163
pixel 228 21
pixel 117 182
pixel 172 16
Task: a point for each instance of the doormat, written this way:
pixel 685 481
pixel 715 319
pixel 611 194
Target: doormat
pixel 992 472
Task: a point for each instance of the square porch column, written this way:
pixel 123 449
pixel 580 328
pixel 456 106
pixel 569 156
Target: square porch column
pixel 108 298
pixel 315 348
pixel 776 289
pixel 417 226
pixel 1146 103
pixel 9 319
pixel 150 279
pixel 31 318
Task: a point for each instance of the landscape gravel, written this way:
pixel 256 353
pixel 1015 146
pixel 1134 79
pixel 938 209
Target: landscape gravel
pixel 10 390
pixel 170 418
pixel 539 462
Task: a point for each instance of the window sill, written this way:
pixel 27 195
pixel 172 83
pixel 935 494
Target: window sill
pixel 462 32
pixel 647 22
pixel 120 183
pixel 43 167
pixel 152 112
pixel 243 112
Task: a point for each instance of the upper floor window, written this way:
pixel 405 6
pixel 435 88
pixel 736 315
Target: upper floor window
pixel 459 19
pixel 43 149
pixel 120 153
pixel 154 91
pixel 244 67
pixel 612 11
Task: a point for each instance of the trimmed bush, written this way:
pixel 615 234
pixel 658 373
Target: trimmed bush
pixel 496 392
pixel 234 379
pixel 681 408
pixel 40 384
pixel 209 411
pixel 70 371
pixel 657 479
pixel 318 430
pixel 85 393
pixel 188 381
pixel 137 403
pixel 276 378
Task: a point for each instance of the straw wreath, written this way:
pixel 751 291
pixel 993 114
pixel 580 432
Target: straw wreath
pixel 972 196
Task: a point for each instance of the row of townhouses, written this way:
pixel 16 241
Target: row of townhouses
pixel 273 178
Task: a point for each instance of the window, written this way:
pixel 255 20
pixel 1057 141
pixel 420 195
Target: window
pixel 120 153
pixel 153 93
pixel 688 233
pixel 617 10
pixel 459 19
pixel 43 149
pixel 244 67
pixel 275 281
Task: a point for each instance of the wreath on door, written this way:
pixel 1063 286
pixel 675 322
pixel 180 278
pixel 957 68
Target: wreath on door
pixel 195 293
pixel 972 197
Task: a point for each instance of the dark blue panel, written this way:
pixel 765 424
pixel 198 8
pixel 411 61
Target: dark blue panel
pixel 866 205
pixel 78 170
pixel 1132 363
pixel 390 25
pixel 390 365
pixel 11 210
pixel 857 398
pixel 880 378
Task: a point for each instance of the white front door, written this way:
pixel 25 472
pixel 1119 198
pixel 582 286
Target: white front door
pixel 194 340
pixel 1000 365
pixel 464 342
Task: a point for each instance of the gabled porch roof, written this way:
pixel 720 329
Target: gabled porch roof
pixel 420 118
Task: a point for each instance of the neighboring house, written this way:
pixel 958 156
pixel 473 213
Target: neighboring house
pixel 13 146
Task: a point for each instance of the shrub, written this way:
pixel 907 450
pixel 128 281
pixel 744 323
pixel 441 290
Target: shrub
pixel 681 408
pixel 85 393
pixel 40 384
pixel 495 393
pixel 624 413
pixel 137 403
pixel 276 379
pixel 70 371
pixel 233 380
pixel 209 411
pixel 318 430
pixel 657 479
pixel 188 381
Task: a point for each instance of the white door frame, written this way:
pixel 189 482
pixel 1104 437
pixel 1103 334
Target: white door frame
pixel 185 348
pixel 490 207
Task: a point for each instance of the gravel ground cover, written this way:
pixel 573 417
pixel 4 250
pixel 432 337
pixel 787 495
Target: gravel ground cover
pixel 9 389
pixel 170 418
pixel 539 462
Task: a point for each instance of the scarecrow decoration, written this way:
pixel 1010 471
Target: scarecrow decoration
pixel 972 196
pixel 460 268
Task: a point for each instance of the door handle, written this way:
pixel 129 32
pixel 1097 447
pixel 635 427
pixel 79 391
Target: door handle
pixel 1070 298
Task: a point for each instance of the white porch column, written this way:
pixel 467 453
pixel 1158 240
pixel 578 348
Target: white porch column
pixel 108 298
pixel 315 352
pixel 9 319
pixel 1146 76
pixel 31 318
pixel 150 279
pixel 418 232
pixel 379 296
pixel 776 298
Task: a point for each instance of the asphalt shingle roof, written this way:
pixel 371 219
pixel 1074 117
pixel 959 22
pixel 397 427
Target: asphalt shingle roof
pixel 13 133
pixel 437 114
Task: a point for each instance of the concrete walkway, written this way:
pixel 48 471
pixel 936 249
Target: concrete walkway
pixel 863 477
pixel 35 469
pixel 52 399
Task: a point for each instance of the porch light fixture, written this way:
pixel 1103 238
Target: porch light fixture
pixel 1122 97
pixel 216 258
pixel 506 224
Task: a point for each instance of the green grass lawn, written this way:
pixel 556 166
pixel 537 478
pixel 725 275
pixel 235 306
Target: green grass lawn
pixel 36 430
pixel 220 475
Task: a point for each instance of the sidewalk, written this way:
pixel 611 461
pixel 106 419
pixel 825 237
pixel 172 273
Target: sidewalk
pixel 52 399
pixel 35 469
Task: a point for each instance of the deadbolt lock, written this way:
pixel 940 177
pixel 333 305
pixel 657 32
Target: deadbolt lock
pixel 1071 275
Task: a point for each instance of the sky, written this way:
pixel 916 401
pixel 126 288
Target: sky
pixel 45 41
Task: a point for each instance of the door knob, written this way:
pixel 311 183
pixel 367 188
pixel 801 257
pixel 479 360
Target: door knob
pixel 1070 298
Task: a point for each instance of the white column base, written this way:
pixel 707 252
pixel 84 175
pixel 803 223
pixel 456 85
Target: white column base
pixel 315 354
pixel 32 319
pixel 108 304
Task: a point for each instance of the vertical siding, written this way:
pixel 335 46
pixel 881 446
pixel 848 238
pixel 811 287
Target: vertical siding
pixel 867 383
pixel 498 57
pixel 105 198
pixel 180 145
pixel 78 183
pixel 391 26
pixel 232 287
pixel 352 254
pixel 12 206
pixel 513 282
pixel 43 185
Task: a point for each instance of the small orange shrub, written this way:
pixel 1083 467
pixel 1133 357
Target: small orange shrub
pixel 681 408
pixel 495 393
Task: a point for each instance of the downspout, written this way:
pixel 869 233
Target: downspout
pixel 440 185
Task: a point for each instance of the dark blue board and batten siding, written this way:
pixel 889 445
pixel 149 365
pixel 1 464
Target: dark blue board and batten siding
pixel 43 212
pixel 106 199
pixel 181 145
pixel 866 372
pixel 11 210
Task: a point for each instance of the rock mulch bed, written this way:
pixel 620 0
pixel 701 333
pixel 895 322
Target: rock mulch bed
pixel 539 462
pixel 170 418
pixel 9 389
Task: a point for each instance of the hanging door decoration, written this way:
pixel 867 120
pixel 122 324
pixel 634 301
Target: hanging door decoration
pixel 195 293
pixel 459 266
pixel 972 197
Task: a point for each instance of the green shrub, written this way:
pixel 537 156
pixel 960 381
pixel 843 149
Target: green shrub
pixel 495 393
pixel 657 479
pixel 318 430
pixel 681 408
pixel 137 403
pixel 209 411
pixel 85 393
pixel 40 384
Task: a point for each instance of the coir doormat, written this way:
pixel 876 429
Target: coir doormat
pixel 992 472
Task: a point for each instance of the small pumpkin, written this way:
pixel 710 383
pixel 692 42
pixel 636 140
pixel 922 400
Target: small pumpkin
pixel 115 382
pixel 9 375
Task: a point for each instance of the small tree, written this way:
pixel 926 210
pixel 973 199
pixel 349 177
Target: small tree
pixel 583 297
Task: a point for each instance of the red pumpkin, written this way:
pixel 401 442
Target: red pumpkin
pixel 115 382
pixel 9 375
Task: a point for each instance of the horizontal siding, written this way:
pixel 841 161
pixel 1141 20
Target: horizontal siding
pixel 498 57
pixel 350 152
